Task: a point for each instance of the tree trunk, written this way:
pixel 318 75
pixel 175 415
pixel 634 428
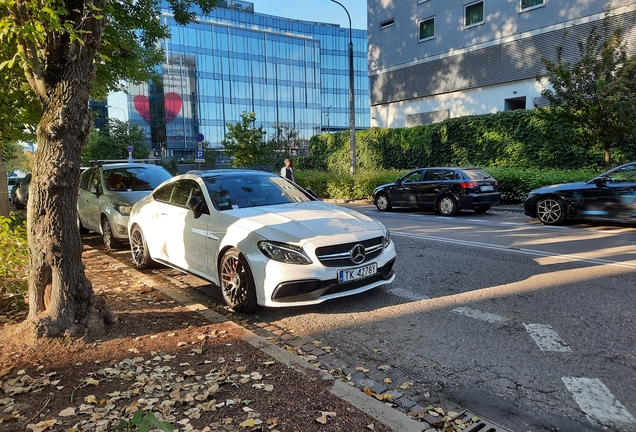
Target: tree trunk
pixel 61 298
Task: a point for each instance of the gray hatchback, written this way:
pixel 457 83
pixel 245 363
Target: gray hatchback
pixel 108 191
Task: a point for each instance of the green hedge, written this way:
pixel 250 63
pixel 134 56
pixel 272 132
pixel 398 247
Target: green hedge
pixel 519 139
pixel 513 183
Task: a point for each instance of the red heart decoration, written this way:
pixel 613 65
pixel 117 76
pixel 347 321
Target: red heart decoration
pixel 173 106
pixel 143 107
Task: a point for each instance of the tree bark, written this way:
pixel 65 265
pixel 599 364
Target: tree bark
pixel 61 298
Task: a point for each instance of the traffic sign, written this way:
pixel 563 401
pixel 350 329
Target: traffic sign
pixel 200 137
pixel 199 156
pixel 129 148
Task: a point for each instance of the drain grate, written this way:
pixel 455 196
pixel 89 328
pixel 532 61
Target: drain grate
pixel 483 425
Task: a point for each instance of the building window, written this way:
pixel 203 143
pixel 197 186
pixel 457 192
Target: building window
pixel 474 14
pixel 531 4
pixel 427 29
pixel 387 23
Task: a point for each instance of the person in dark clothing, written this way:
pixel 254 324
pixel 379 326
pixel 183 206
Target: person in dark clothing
pixel 287 171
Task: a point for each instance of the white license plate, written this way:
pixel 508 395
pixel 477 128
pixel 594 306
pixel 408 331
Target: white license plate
pixel 486 188
pixel 357 273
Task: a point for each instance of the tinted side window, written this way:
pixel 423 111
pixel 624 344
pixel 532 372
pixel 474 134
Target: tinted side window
pixel 434 175
pixel 87 179
pixel 412 177
pixel 163 194
pixel 183 192
pixel 452 175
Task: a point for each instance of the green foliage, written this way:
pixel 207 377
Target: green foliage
pixel 245 142
pixel 112 142
pixel 596 92
pixel 516 183
pixel 143 422
pixel 344 186
pixel 15 258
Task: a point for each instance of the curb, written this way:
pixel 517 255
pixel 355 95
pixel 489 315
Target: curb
pixel 383 413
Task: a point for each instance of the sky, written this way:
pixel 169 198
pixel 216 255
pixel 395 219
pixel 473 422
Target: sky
pixel 316 10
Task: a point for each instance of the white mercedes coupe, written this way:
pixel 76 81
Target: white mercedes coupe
pixel 262 239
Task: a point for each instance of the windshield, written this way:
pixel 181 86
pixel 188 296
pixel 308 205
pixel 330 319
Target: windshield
pixel 135 178
pixel 235 191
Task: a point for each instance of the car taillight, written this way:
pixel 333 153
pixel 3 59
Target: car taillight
pixel 468 185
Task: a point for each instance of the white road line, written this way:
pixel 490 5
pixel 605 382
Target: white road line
pixel 524 251
pixel 476 220
pixel 512 223
pixel 597 401
pixel 409 295
pixel 546 338
pixel 480 315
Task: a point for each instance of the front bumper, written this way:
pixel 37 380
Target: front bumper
pixel 285 285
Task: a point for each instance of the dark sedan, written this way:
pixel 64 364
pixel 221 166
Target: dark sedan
pixel 610 196
pixel 446 190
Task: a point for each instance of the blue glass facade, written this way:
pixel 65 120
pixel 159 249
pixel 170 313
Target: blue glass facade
pixel 234 60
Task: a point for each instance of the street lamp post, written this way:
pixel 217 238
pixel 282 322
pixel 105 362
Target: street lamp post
pixel 352 113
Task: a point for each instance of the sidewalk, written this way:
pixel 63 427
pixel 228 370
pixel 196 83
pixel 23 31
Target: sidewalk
pixel 184 363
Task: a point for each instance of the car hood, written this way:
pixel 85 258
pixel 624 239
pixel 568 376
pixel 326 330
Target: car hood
pixel 128 197
pixel 299 222
pixel 560 187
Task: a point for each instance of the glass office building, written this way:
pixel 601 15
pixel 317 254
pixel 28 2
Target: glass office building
pixel 234 60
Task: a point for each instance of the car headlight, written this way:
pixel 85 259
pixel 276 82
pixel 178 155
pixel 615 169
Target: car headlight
pixel 283 252
pixel 530 195
pixel 123 209
pixel 387 237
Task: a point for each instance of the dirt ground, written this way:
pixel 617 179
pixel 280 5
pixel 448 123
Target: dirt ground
pixel 164 359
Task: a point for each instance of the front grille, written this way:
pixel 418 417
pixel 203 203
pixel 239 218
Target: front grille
pixel 340 255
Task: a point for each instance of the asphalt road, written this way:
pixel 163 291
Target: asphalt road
pixel 529 326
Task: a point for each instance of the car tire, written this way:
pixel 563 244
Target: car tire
pixel 447 206
pixel 551 211
pixel 382 202
pixel 481 209
pixel 110 241
pixel 237 282
pixel 139 248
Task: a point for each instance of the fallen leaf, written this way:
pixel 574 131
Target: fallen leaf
pixel 406 385
pixel 67 412
pixel 247 423
pixel 388 380
pixel 42 426
pixel 322 419
pixel 384 367
pixel 90 399
pixel 91 381
pixel 370 426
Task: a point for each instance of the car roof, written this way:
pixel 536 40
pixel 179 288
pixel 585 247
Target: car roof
pixel 208 173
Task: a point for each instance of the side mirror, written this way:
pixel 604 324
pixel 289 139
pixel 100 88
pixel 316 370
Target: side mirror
pixel 198 207
pixel 600 181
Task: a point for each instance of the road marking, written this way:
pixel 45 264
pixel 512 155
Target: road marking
pixel 524 251
pixel 546 338
pixel 407 294
pixel 480 315
pixel 597 401
pixel 476 220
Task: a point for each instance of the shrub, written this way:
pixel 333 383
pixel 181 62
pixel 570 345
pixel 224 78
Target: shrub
pixel 15 259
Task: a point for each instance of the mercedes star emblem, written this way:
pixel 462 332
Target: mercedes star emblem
pixel 358 253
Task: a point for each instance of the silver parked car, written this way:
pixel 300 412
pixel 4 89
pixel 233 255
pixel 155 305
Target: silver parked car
pixel 20 192
pixel 108 191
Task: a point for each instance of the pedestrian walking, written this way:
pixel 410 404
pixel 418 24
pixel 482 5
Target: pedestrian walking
pixel 287 171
